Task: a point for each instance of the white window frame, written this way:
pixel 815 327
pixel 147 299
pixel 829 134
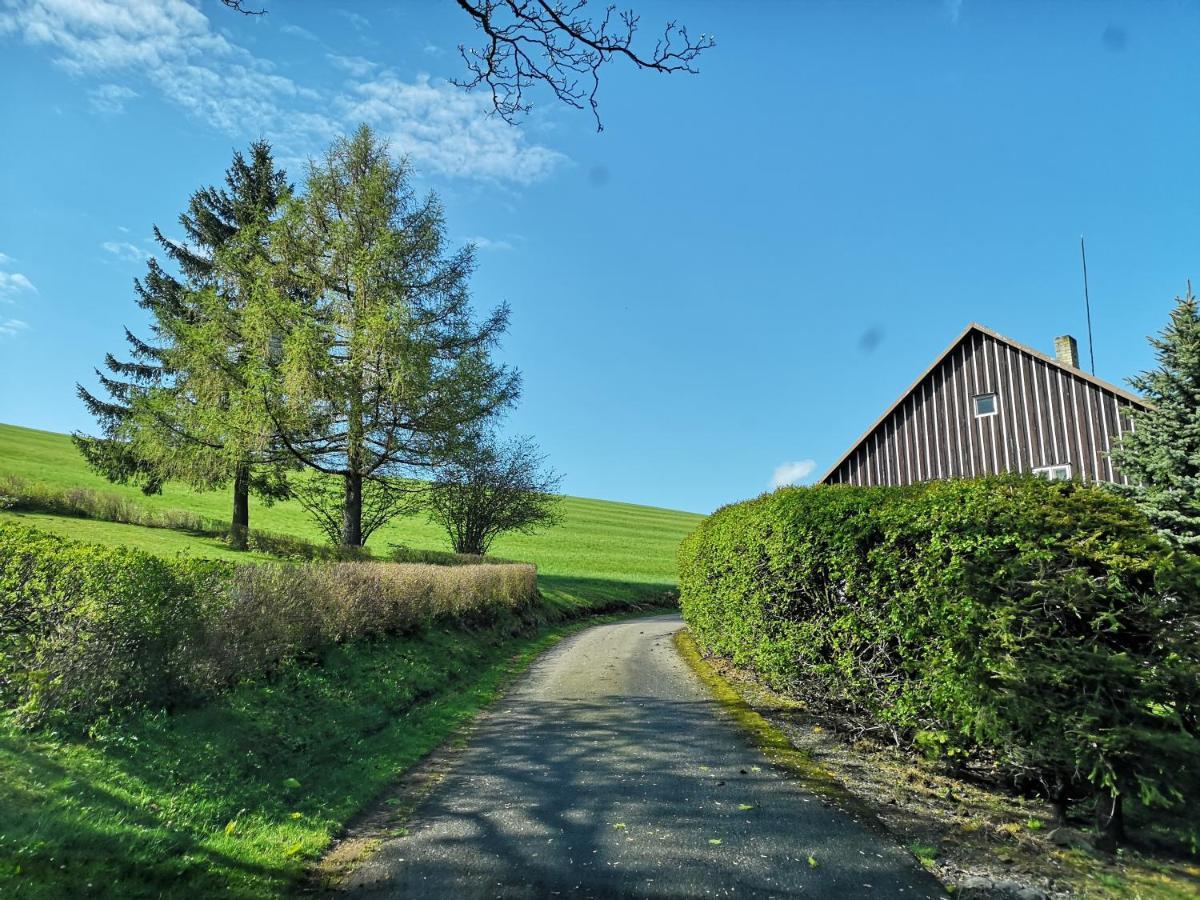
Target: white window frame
pixel 1056 472
pixel 995 404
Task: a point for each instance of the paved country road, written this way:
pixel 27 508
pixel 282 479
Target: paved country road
pixel 608 771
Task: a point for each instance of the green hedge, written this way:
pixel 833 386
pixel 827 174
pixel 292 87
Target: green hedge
pixel 1040 624
pixel 85 629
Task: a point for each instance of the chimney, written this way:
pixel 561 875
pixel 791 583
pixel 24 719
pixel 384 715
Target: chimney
pixel 1067 350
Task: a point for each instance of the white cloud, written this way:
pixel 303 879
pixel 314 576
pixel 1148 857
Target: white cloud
pixel 12 327
pixel 360 22
pixel 297 31
pixel 110 98
pixel 357 66
pixel 170 46
pixel 13 283
pixel 446 130
pixel 485 243
pixel 125 251
pixel 953 9
pixel 792 472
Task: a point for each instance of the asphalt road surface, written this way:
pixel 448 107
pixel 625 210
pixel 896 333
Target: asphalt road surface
pixel 608 771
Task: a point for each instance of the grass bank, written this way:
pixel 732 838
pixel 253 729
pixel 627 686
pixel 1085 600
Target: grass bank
pixel 237 797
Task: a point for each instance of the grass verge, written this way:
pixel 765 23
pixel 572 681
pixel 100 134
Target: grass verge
pixel 973 836
pixel 238 797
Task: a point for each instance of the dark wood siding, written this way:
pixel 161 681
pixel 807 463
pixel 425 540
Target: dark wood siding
pixel 1045 416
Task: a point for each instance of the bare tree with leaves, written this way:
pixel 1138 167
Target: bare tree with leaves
pixel 557 45
pixel 489 488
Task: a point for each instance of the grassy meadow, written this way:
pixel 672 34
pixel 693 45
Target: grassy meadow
pixel 598 539
pixel 239 796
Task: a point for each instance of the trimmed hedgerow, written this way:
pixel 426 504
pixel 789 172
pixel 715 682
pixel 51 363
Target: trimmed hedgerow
pixel 1042 624
pixel 84 628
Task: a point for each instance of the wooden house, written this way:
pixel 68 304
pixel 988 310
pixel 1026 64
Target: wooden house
pixel 989 405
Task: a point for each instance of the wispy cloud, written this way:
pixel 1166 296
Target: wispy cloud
pixel 13 283
pixel 486 243
pixel 953 9
pixel 124 251
pixel 792 472
pixel 170 47
pixel 12 327
pixel 447 130
pixel 357 66
pixel 110 99
pixel 297 31
pixel 360 22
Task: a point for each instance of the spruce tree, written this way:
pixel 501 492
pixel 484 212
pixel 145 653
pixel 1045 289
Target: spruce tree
pixel 153 425
pixel 1161 456
pixel 377 366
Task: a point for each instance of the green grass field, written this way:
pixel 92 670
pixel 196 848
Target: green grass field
pixel 237 797
pixel 598 539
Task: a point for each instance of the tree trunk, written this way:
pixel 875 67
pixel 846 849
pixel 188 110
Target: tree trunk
pixel 239 528
pixel 352 511
pixel 1110 822
pixel 1060 797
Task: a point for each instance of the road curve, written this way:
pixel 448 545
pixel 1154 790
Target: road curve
pixel 609 772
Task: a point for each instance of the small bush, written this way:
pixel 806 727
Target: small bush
pixel 1041 624
pixel 404 554
pixel 85 628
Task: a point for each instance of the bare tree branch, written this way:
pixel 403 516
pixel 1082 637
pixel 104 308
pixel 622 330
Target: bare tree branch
pixel 240 6
pixel 556 43
pixel 527 42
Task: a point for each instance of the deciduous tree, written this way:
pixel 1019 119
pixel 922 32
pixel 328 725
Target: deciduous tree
pixel 488 488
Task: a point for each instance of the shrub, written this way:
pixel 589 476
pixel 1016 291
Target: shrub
pixel 1043 624
pixel 84 628
pixel 404 554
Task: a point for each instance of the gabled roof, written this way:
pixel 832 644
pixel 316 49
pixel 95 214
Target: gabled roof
pixel 982 329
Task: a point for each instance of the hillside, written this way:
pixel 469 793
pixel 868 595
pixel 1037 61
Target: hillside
pixel 598 539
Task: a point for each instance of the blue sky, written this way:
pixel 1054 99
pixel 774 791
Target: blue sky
pixel 737 275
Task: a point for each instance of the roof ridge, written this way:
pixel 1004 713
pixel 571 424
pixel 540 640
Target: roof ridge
pixel 941 357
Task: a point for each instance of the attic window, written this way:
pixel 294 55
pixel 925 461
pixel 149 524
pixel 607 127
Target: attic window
pixel 1053 473
pixel 985 405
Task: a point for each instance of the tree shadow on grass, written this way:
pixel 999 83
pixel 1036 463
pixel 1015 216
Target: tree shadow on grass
pixel 572 594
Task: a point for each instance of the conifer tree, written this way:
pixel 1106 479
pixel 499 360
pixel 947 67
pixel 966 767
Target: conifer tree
pixel 378 367
pixel 1161 456
pixel 153 425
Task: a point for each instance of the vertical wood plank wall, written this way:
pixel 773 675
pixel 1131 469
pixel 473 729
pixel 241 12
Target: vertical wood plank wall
pixel 1045 417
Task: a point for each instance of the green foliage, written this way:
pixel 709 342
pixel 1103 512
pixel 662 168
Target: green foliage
pixel 360 337
pixel 87 629
pixel 487 488
pixel 172 409
pixel 1161 456
pixel 1042 624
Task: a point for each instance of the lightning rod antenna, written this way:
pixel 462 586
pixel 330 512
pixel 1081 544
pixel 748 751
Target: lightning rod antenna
pixel 1087 301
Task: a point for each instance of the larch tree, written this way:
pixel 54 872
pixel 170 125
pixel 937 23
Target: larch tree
pixel 379 367
pixel 168 412
pixel 1161 456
